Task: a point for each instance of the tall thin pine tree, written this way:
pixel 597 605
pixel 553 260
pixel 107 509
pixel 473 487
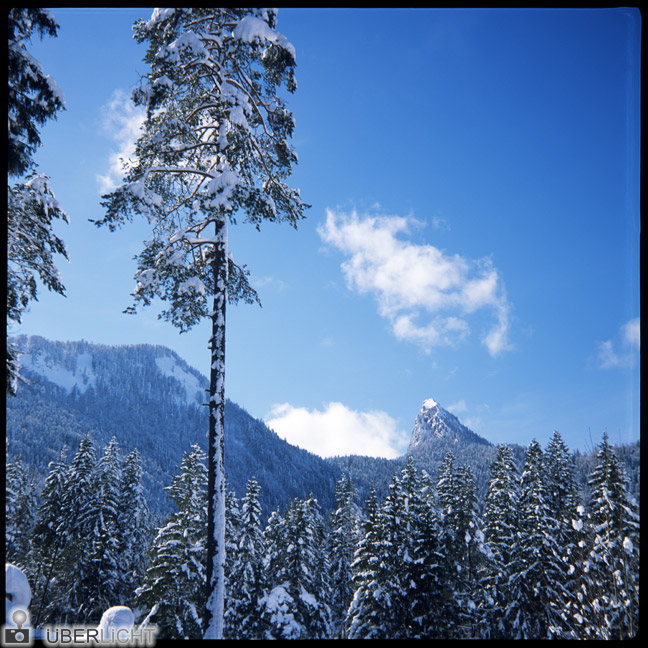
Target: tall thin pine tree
pixel 214 148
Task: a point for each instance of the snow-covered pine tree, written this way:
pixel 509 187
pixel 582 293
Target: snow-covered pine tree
pixel 463 547
pixel 448 505
pixel 396 576
pixel 33 98
pixel 470 552
pixel 20 512
pixel 366 611
pixel 500 531
pixel 246 579
pixel 214 147
pixel 78 500
pixel 133 529
pixel 296 601
pixel 99 589
pixel 392 544
pixel 612 603
pixel 581 584
pixel 343 540
pixel 538 592
pixel 232 530
pixel 565 506
pixel 423 581
pixel 61 538
pixel 172 595
pixel 48 538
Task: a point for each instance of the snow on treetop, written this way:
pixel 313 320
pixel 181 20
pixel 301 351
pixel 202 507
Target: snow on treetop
pixel 251 28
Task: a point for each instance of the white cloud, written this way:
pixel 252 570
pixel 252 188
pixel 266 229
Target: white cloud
pixel 412 282
pixel 623 354
pixel 338 430
pixel 632 333
pixel 122 120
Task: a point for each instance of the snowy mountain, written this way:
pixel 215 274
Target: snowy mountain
pixel 74 367
pixel 435 433
pixel 148 398
pixel 433 424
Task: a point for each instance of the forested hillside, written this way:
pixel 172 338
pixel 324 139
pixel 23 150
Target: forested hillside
pixel 148 399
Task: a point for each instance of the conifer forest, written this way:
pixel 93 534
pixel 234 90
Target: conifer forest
pixel 427 561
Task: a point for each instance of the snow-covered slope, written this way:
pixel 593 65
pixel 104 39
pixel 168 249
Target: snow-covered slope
pixel 147 397
pixel 81 366
pixel 66 371
pixel 433 423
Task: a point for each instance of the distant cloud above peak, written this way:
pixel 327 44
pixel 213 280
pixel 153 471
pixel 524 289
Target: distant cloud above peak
pixel 425 294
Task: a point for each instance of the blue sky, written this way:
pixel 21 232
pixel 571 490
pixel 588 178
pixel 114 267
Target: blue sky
pixel 473 235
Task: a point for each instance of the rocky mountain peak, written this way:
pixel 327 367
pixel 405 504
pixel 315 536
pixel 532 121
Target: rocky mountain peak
pixel 434 423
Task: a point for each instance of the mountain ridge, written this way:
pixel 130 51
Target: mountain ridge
pixel 147 396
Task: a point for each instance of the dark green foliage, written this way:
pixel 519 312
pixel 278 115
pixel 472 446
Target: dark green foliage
pixel 172 595
pixel 500 530
pixel 343 538
pixel 33 98
pixel 80 555
pixel 245 574
pixel 538 576
pixel 611 602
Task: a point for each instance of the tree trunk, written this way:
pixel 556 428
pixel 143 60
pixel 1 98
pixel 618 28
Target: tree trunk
pixel 215 454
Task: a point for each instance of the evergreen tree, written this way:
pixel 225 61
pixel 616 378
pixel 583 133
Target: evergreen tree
pixel 246 579
pixel 500 531
pixel 398 584
pixel 562 492
pixel 538 592
pixel 424 574
pixel 365 613
pixel 214 147
pixel 232 531
pixel 469 555
pixel 172 595
pixel 565 506
pixel 612 601
pixel 581 585
pixel 33 98
pixel 463 547
pixel 75 562
pixel 20 512
pixel 296 602
pixel 48 538
pixel 133 529
pixel 100 587
pixel 343 539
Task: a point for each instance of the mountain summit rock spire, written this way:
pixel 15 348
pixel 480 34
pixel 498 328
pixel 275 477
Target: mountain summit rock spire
pixel 434 425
